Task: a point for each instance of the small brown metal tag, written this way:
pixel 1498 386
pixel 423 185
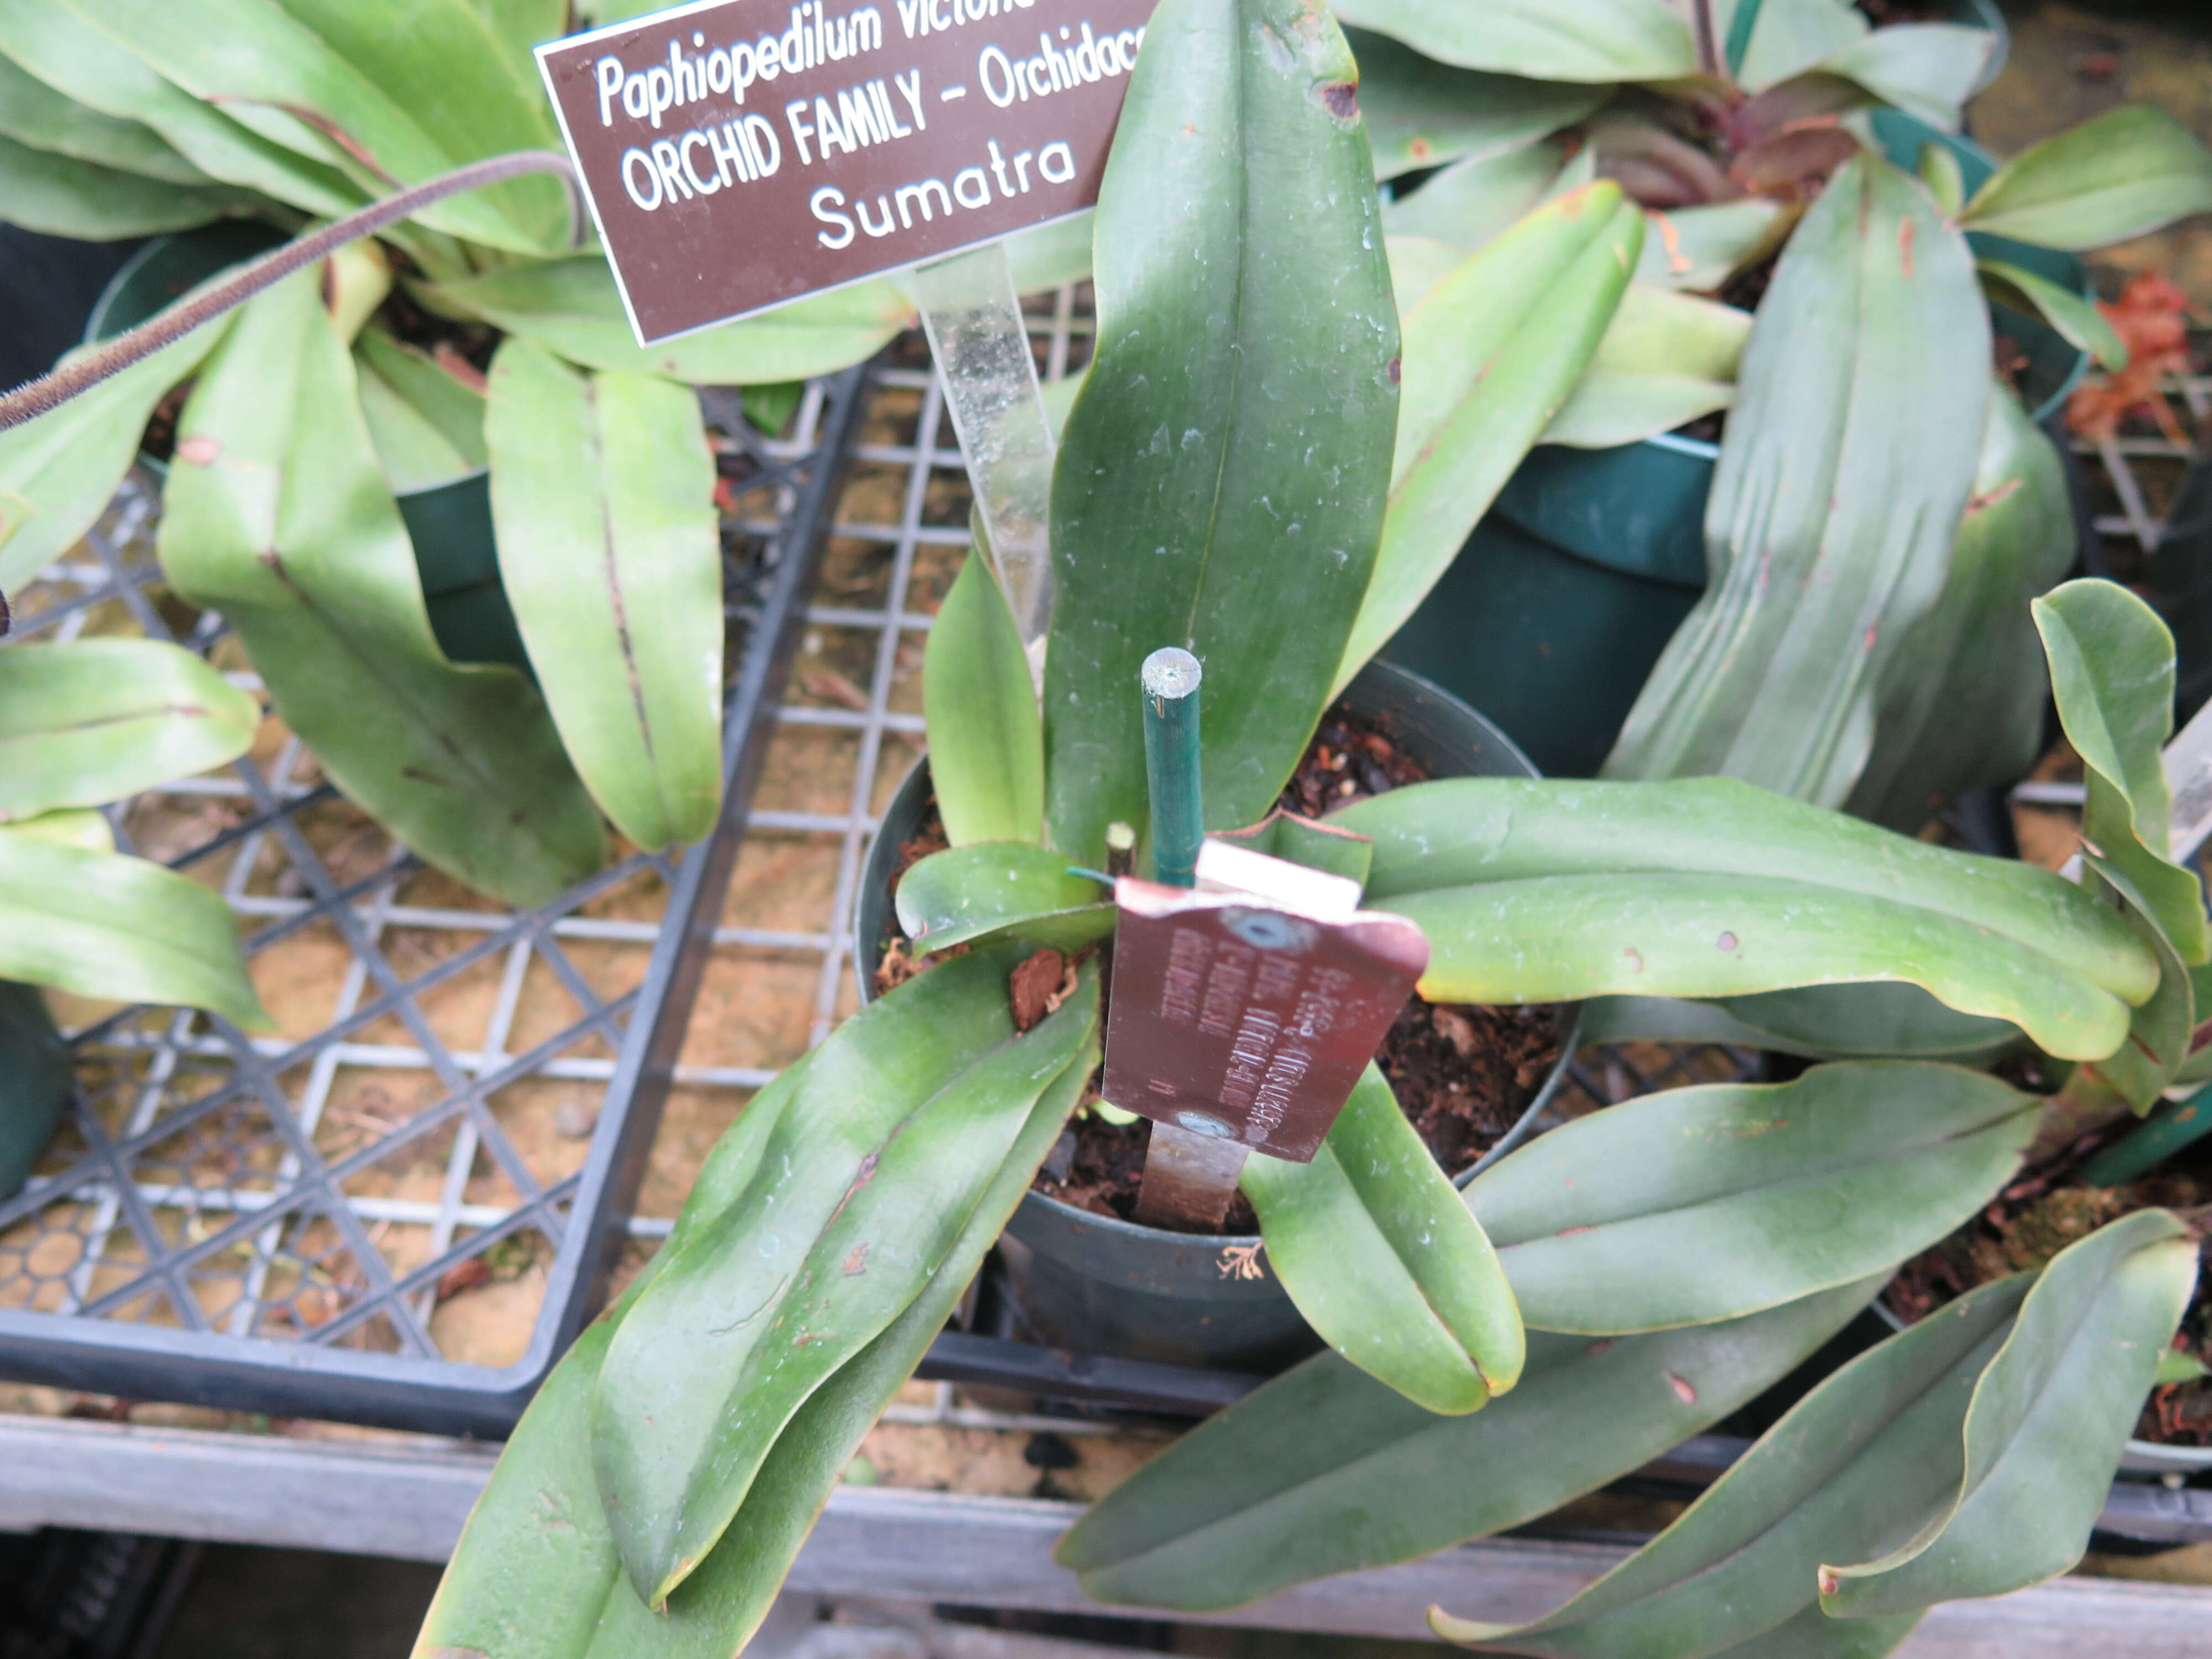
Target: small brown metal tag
pixel 738 154
pixel 1246 1007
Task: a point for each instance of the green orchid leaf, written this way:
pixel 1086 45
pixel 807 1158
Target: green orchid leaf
pixel 1317 846
pixel 56 196
pixel 58 472
pixel 1849 1472
pixel 1840 484
pixel 711 1613
pixel 1789 37
pixel 1873 1021
pixel 1961 704
pixel 1251 497
pixel 2178 1366
pixel 537 1556
pixel 521 25
pixel 1695 249
pixel 902 1118
pixel 1945 178
pixel 102 925
pixel 81 827
pixel 95 720
pixel 275 515
pixel 603 498
pixel 35 1075
pixel 2140 1069
pixel 1491 354
pixel 2049 1417
pixel 1812 1635
pixel 992 890
pixel 1417 263
pixel 1051 256
pixel 428 426
pixel 342 85
pixel 1421 113
pixel 1325 1470
pixel 34 114
pixel 1710 1203
pixel 986 743
pixel 1666 359
pixel 537 1561
pixel 2108 180
pixel 1926 70
pixel 2112 671
pixel 1555 890
pixel 570 305
pixel 2075 318
pixel 80 54
pixel 1371 1241
pixel 1471 203
pixel 1584 40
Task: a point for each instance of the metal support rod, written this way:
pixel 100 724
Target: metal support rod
pixel 1171 678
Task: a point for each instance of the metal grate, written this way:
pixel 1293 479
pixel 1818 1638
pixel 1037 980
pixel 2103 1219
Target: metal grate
pixel 394 1210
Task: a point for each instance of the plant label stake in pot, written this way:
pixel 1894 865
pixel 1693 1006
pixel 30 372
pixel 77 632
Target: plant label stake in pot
pixel 1247 996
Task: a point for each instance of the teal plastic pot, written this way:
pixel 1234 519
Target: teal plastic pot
pixel 1099 1285
pixel 34 1082
pixel 1560 602
pixel 450 523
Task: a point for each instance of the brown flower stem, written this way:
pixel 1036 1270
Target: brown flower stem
pixel 110 357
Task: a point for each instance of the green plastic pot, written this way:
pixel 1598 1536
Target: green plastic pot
pixel 450 523
pixel 1099 1285
pixel 34 1082
pixel 1557 607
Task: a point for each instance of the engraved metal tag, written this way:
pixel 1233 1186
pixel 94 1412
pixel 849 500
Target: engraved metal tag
pixel 1246 1007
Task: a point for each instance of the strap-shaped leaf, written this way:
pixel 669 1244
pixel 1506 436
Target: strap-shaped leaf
pixel 1874 1021
pixel 1927 70
pixel 396 99
pixel 1710 1203
pixel 95 720
pixel 603 496
pixel 1849 1471
pixel 77 54
pixel 1471 203
pixel 57 196
pixel 274 515
pixel 1421 113
pixel 1789 37
pixel 986 744
pixel 1372 1242
pixel 1961 705
pixel 538 1563
pixel 2159 1030
pixel 102 925
pixel 1325 1470
pixel 1491 354
pixel 33 113
pixel 1666 359
pixel 2074 316
pixel 1552 890
pixel 1695 249
pixel 1812 1635
pixel 73 826
pixel 2112 671
pixel 1586 40
pixel 2102 182
pixel 1845 468
pixel 900 1120
pixel 1221 480
pixel 58 472
pixel 988 888
pixel 2049 1417
pixel 428 427
pixel 571 306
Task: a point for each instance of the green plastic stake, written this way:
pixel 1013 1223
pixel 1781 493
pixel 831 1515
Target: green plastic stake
pixel 2174 1125
pixel 1170 678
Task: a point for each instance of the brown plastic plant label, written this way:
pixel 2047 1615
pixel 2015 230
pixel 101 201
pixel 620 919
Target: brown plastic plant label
pixel 739 153
pixel 1245 1008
